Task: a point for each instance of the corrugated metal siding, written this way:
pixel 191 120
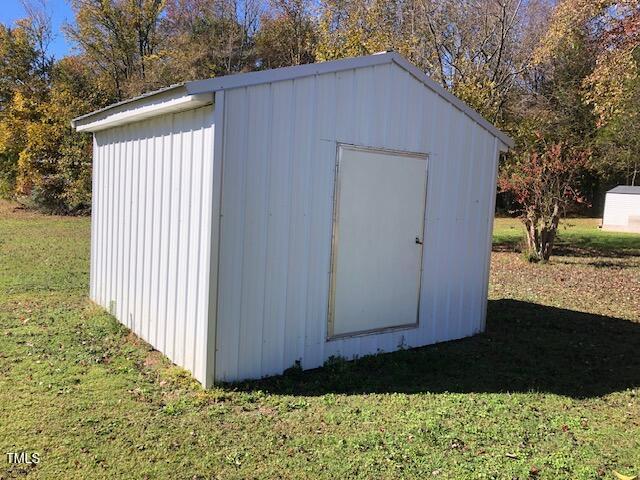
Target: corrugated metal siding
pixel 279 154
pixel 151 225
pixel 618 208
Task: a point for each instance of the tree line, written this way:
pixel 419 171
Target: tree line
pixel 560 77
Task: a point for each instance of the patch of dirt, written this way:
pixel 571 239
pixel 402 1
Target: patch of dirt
pixel 153 360
pixel 14 210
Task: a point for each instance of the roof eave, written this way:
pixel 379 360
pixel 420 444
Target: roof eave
pixel 179 104
pixel 128 101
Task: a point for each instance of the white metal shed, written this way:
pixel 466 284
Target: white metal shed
pixel 622 209
pixel 245 223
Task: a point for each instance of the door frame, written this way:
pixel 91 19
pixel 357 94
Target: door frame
pixel 340 147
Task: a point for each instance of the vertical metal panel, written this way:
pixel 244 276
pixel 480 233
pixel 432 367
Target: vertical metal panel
pixel 95 202
pixel 482 186
pixel 435 121
pixel 126 232
pixel 232 224
pixel 298 240
pixel 463 319
pixel 183 160
pixel 324 150
pixel 139 150
pixel 277 190
pixel 156 294
pixel 278 202
pixel 151 230
pixel 439 261
pixel 256 213
pixel 111 230
pixel 196 243
pixel 210 254
pixel 165 234
pixel 103 181
pixel 121 224
pixel 489 208
pixel 174 230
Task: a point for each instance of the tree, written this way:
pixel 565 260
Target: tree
pixel 613 89
pixel 207 38
pixel 54 167
pixel 37 25
pixel 24 73
pixel 476 49
pixel 609 33
pixel 544 182
pixel 550 74
pixel 348 29
pixel 43 163
pixel 16 114
pixel 119 38
pixel 548 108
pixel 287 34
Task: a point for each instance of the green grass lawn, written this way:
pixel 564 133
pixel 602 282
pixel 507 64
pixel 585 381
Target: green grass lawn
pixel 551 390
pixel 576 236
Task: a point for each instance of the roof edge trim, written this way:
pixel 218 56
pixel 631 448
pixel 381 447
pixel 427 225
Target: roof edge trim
pixel 285 73
pixel 625 190
pixel 145 111
pixel 402 62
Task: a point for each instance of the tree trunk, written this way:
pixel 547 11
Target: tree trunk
pixel 533 239
pixel 548 235
pixel 540 240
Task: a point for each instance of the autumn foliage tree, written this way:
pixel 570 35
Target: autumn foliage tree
pixel 54 167
pixel 24 73
pixel 119 38
pixel 544 182
pixel 613 89
pixel 608 32
pixel 43 162
pixel 287 34
pixel 206 38
pixel 550 73
pixel 476 49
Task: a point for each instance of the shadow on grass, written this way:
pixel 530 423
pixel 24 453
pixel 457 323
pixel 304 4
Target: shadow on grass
pixel 608 264
pixel 600 244
pixel 527 347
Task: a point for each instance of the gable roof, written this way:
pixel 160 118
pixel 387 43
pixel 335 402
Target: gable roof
pixel 199 92
pixel 626 189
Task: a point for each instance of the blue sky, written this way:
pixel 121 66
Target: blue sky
pixel 60 11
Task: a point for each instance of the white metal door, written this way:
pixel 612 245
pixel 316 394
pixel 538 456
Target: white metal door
pixel 378 228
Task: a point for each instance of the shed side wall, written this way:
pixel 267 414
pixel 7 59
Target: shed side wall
pixel 151 220
pixel 280 143
pixel 617 210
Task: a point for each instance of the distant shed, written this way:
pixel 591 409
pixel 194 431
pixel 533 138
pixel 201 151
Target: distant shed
pixel 622 209
pixel 246 223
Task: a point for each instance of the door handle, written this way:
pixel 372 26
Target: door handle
pixel 418 241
